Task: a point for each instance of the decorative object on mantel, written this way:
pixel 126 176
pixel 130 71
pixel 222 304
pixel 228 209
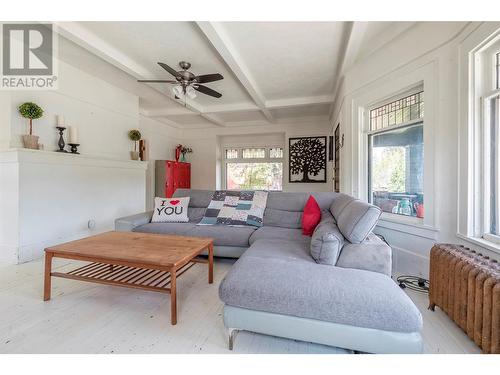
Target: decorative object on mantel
pixel 61 142
pixel 73 139
pixel 134 135
pixel 307 159
pixel 143 150
pixel 32 112
pixel 182 150
pixel 74 148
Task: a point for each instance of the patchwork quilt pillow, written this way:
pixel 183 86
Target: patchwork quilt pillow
pixel 170 210
pixel 236 208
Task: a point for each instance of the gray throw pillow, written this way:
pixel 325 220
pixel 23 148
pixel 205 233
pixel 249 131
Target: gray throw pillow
pixel 357 220
pixel 326 242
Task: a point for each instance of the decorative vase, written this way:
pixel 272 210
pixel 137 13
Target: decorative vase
pixel 183 158
pixel 30 141
pixel 177 154
pixel 134 155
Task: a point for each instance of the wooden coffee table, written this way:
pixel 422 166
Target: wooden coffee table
pixel 131 259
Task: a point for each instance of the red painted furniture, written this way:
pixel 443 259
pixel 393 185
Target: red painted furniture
pixel 171 175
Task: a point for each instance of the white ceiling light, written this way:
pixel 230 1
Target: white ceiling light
pixel 179 92
pixel 190 92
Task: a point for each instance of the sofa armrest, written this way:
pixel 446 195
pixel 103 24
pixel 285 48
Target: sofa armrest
pixel 372 254
pixel 128 223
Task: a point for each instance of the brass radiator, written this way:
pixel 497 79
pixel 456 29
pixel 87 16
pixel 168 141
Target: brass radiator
pixel 466 286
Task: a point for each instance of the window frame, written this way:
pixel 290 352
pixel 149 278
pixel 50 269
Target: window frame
pixel 240 159
pixel 478 86
pixel 369 136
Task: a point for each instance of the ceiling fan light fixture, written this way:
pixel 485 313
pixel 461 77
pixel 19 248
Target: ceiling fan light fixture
pixel 190 92
pixel 177 90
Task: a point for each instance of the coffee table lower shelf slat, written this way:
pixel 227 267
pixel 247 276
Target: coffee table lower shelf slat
pixel 130 277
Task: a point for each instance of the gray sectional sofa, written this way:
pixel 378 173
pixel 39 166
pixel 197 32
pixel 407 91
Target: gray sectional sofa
pixel 277 288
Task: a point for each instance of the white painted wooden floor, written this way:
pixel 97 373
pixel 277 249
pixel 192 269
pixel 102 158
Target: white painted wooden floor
pixel 91 318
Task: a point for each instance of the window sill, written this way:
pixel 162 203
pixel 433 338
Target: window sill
pixel 407 225
pixel 491 246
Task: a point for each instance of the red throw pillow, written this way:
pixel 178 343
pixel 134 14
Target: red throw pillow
pixel 311 216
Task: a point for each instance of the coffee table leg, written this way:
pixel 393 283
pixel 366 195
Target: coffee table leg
pixel 173 297
pixel 47 278
pixel 211 263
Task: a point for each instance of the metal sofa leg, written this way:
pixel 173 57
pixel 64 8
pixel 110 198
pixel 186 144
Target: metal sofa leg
pixel 232 335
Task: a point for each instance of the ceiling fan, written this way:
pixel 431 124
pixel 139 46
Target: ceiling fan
pixel 186 82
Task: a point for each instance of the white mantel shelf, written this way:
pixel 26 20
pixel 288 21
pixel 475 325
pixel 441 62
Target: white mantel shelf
pixel 23 155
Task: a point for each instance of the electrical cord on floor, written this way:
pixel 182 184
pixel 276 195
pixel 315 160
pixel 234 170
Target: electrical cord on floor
pixel 416 283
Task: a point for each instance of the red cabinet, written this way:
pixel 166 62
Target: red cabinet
pixel 171 175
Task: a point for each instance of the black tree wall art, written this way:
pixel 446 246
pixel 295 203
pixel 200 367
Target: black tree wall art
pixel 307 159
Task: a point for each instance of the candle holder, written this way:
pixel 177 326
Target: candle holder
pixel 74 148
pixel 61 142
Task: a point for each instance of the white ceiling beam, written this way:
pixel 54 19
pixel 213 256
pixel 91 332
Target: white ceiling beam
pixel 85 38
pixel 350 50
pixel 303 101
pixel 228 108
pixel 213 119
pixel 216 34
pixel 177 111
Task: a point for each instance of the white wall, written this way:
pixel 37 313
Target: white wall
pixel 161 143
pixel 426 53
pixel 206 158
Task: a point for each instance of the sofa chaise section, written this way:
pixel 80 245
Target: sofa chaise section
pixel 285 293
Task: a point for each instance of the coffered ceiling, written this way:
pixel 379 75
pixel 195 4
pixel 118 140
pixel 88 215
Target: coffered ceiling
pixel 274 72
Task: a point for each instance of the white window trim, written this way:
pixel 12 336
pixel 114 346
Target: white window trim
pixel 384 91
pixel 473 218
pixel 240 159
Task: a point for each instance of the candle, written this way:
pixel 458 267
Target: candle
pixel 73 135
pixel 60 120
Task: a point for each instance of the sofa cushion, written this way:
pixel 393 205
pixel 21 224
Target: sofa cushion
pixel 165 228
pixel 372 254
pixel 229 207
pixel 199 198
pixel 339 203
pixel 170 210
pixel 195 214
pixel 278 233
pixel 224 235
pixel 280 249
pixel 315 291
pixel 311 216
pixel 283 219
pixel 357 219
pixel 326 241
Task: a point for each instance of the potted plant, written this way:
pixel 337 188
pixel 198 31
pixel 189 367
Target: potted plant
pixel 134 135
pixel 32 112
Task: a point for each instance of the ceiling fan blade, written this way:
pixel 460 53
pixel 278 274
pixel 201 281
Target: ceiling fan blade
pixel 156 80
pixel 205 78
pixel 207 91
pixel 169 69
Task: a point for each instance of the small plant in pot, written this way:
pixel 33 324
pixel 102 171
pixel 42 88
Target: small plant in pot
pixel 135 136
pixel 32 112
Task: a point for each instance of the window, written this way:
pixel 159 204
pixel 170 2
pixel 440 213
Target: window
pixel 490 97
pixel 396 156
pixel 254 168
